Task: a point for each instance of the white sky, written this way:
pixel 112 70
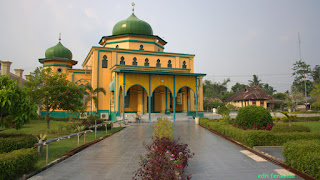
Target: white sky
pixel 230 38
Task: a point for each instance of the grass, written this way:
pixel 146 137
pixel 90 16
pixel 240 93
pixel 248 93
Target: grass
pixel 313 125
pixel 56 149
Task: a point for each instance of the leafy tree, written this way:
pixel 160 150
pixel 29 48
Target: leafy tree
pixel 280 96
pixel 293 98
pixel 316 92
pixel 255 81
pixel 15 106
pixel 224 111
pixel 302 73
pixel 316 74
pixel 92 95
pixel 237 87
pixel 54 92
pixel 268 89
pixel 215 89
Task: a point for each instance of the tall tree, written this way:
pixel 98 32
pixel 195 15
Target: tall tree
pixel 316 92
pixel 92 95
pixel 316 74
pixel 15 106
pixel 268 89
pixel 215 89
pixel 255 81
pixel 237 87
pixel 54 92
pixel 302 74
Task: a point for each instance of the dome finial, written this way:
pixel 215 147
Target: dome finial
pixel 133 4
pixel 59 37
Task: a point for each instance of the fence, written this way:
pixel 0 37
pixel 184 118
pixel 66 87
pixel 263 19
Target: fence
pixel 47 142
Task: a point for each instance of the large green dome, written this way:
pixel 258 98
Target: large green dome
pixel 132 25
pixel 58 51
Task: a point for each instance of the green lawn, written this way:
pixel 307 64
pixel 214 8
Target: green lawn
pixel 56 149
pixel 313 125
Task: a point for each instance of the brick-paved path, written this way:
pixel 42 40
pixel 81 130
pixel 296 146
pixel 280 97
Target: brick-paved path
pixel 116 157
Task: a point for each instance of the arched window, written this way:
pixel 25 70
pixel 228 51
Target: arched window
pixel 146 62
pixel 122 61
pixel 104 62
pixel 141 47
pixel 134 62
pixel 59 70
pixel 158 63
pixel 169 64
pixel 117 46
pixel 184 66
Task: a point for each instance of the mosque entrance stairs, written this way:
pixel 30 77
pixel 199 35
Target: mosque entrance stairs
pixel 131 117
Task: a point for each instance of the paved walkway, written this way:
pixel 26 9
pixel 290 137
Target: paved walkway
pixel 117 157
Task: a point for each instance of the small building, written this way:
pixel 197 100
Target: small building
pixel 253 96
pixel 16 76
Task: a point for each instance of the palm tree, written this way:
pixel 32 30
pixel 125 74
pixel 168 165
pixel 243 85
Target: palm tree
pixel 255 81
pixel 91 94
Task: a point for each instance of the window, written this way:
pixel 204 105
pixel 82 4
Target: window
pixel 253 102
pixel 158 63
pixel 59 70
pixel 141 47
pixel 117 46
pixel 146 62
pixel 261 103
pixel 184 66
pixel 122 61
pixel 134 62
pixel 104 62
pixel 169 64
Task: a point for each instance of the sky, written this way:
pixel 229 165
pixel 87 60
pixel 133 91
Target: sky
pixel 230 38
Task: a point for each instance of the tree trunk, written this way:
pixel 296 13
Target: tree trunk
pixel 47 118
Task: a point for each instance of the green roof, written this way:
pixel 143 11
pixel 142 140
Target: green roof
pixel 58 51
pixel 132 25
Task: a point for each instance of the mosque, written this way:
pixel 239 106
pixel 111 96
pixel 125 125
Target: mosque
pixel 136 72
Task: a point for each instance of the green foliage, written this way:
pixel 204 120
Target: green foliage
pixel 224 111
pixel 253 115
pixel 54 92
pixel 255 81
pixel 316 92
pixel 15 107
pixel 216 89
pixel 316 74
pixel 304 155
pixel 91 95
pixel 163 128
pixel 256 138
pixel 237 87
pixel 284 128
pixel 302 73
pixel 18 162
pixel 10 142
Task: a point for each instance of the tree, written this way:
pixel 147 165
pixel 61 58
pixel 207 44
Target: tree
pixel 268 89
pixel 215 89
pixel 92 95
pixel 316 92
pixel 15 106
pixel 255 81
pixel 293 98
pixel 54 92
pixel 280 96
pixel 301 73
pixel 316 74
pixel 237 87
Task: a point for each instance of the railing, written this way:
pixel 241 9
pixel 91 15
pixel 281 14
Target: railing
pixel 47 142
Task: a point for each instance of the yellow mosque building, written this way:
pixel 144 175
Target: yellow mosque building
pixel 136 72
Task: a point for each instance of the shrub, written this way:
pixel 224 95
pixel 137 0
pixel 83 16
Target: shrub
pixel 10 142
pixel 157 165
pixel 18 162
pixel 163 128
pixel 284 128
pixel 257 138
pixel 253 115
pixel 304 155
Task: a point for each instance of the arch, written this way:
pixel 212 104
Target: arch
pixel 137 85
pixel 187 87
pixel 164 86
pixel 80 80
pixel 158 63
pixel 122 61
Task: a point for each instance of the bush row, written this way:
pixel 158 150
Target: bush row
pixel 285 128
pixel 257 137
pixel 304 155
pixel 18 162
pixel 285 119
pixel 10 142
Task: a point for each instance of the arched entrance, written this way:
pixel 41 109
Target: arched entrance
pixel 184 98
pixel 135 100
pixel 161 100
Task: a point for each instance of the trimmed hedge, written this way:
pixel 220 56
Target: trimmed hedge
pixel 18 162
pixel 257 137
pixel 304 155
pixel 285 119
pixel 284 128
pixel 10 142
